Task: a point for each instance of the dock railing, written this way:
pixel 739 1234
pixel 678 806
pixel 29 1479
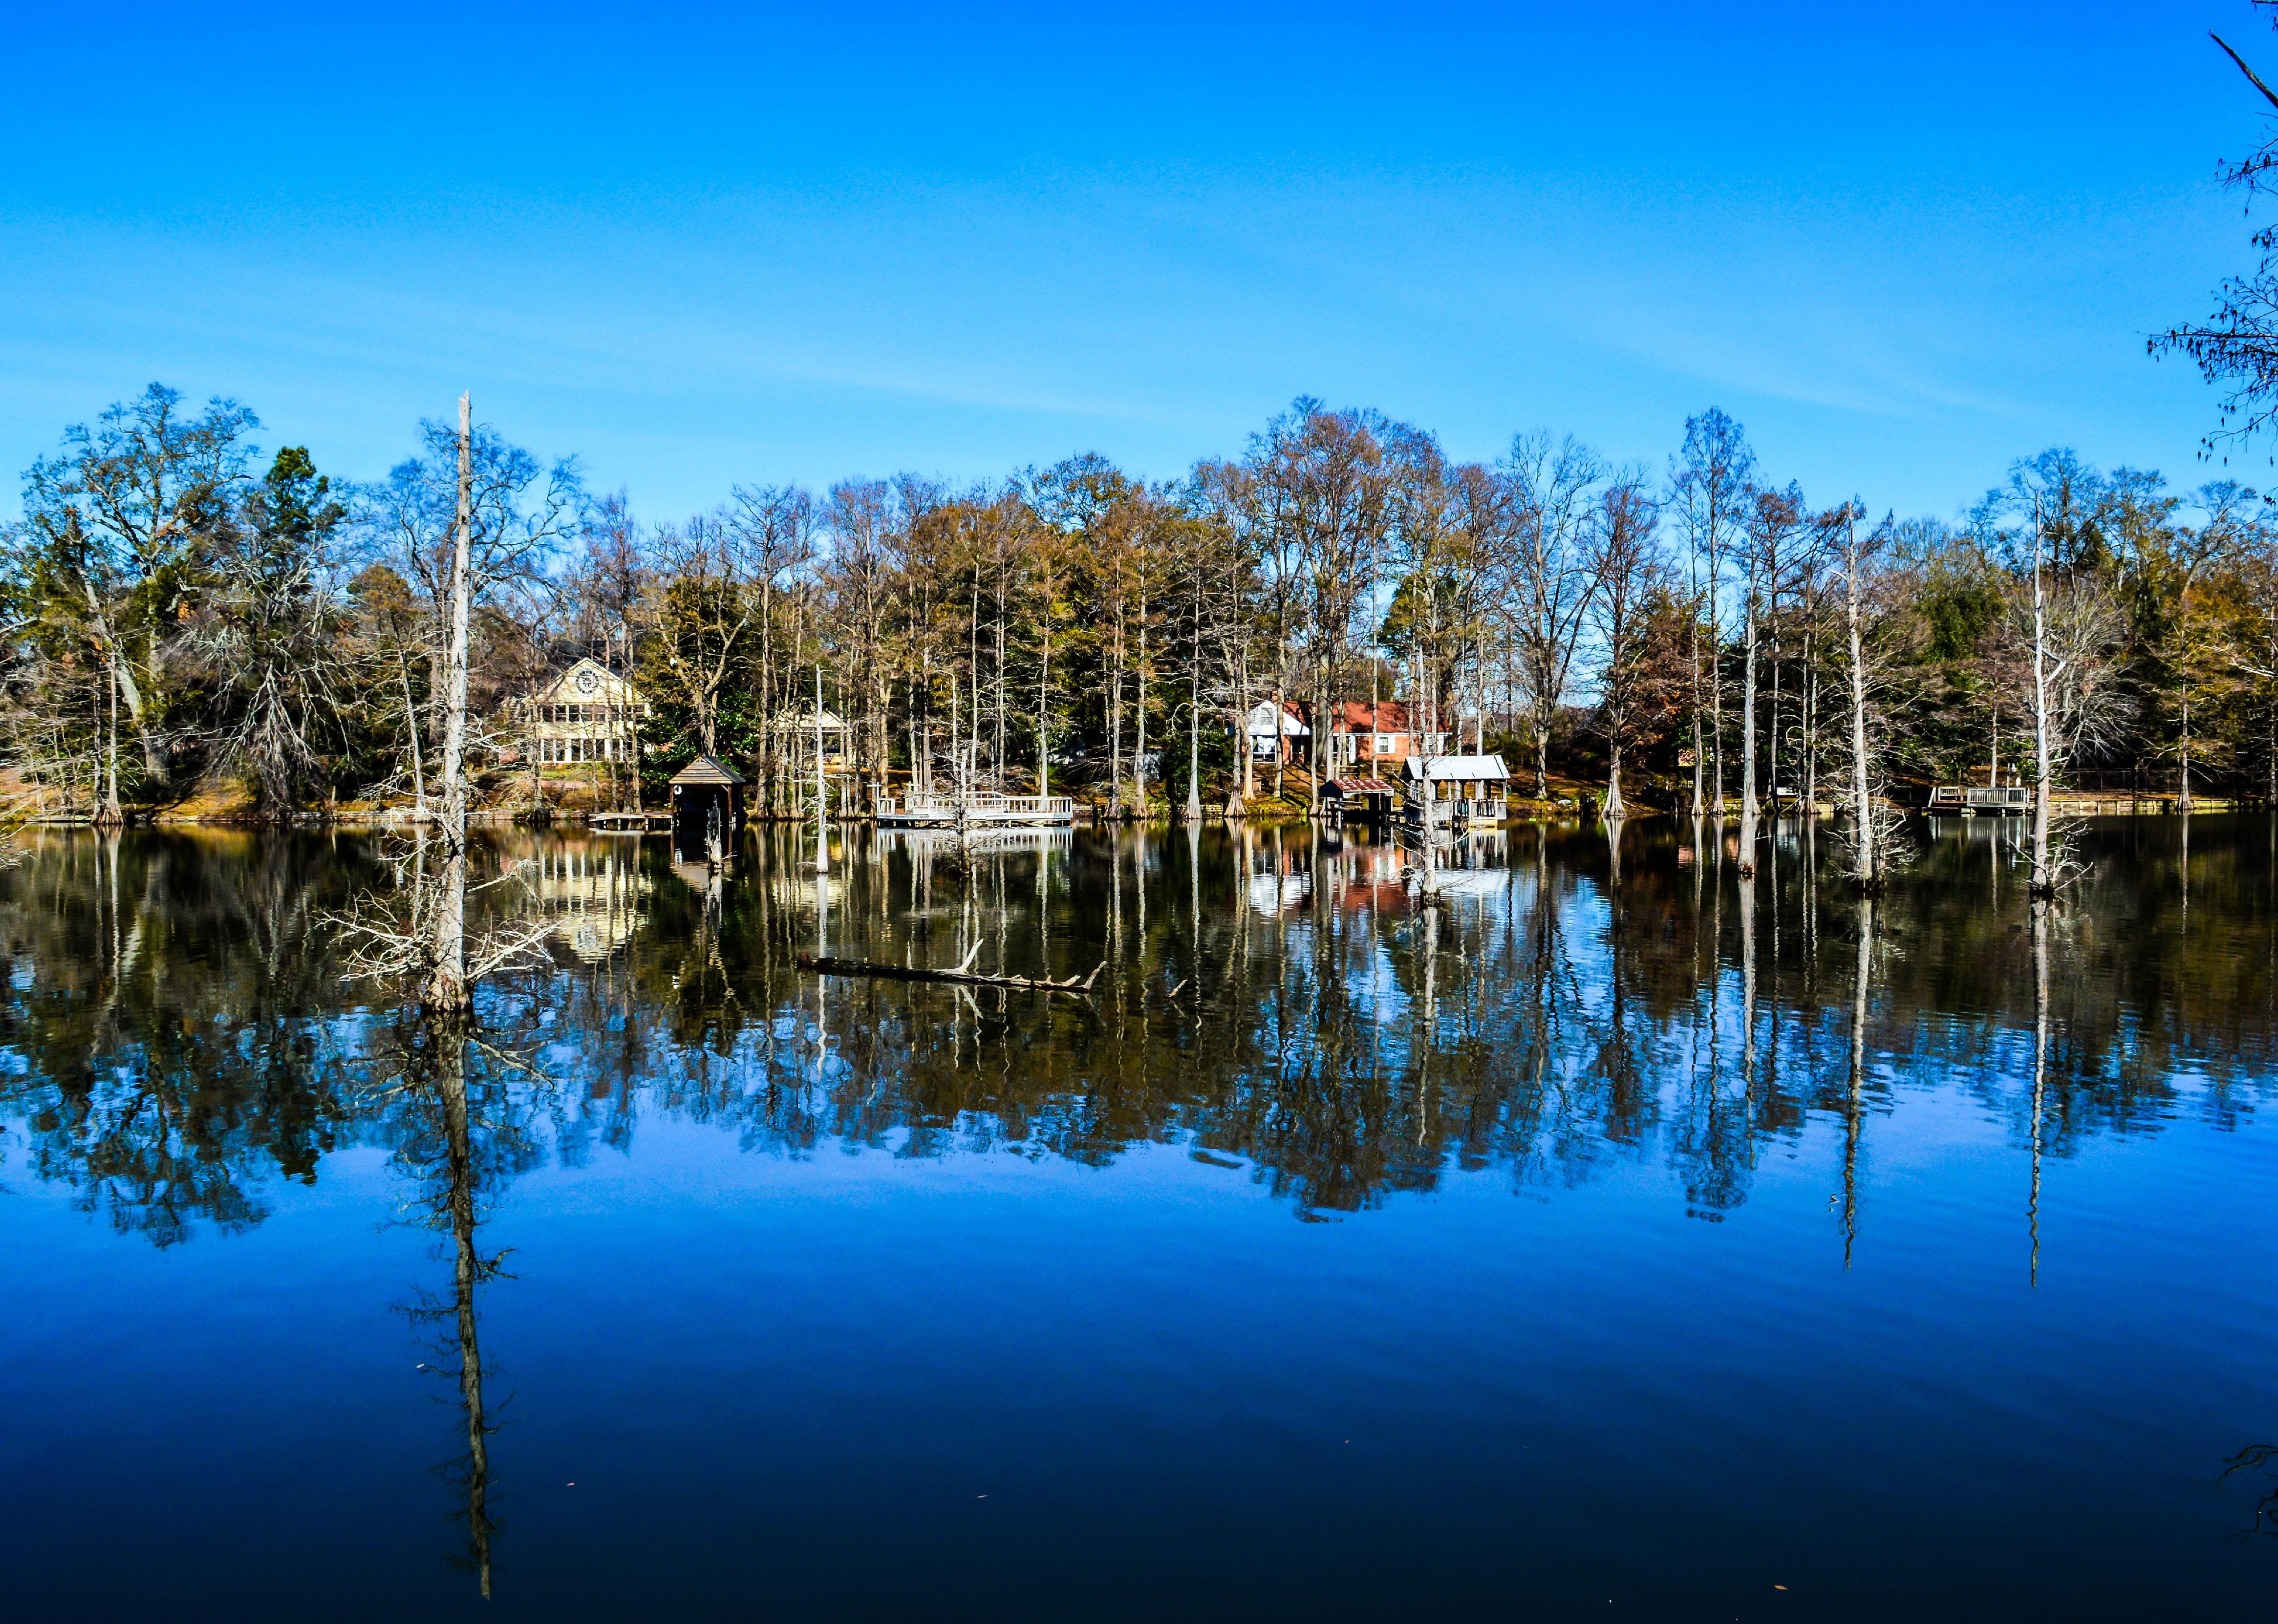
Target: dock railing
pixel 1979 798
pixel 978 805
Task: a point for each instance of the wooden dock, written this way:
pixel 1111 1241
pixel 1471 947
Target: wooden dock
pixel 977 811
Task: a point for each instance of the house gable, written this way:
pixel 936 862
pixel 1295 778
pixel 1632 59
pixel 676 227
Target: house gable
pixel 588 682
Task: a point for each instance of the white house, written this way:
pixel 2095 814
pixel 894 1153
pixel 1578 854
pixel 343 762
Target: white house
pixel 1289 741
pixel 587 714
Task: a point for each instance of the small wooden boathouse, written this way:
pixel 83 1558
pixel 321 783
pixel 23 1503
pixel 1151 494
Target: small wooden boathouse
pixel 707 806
pixel 1358 801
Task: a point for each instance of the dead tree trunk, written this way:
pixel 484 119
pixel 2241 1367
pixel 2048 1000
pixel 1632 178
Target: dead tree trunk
pixel 2044 879
pixel 447 982
pixel 1864 868
pixel 1750 808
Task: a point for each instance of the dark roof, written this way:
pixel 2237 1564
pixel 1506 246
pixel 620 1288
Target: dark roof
pixel 706 769
pixel 1357 786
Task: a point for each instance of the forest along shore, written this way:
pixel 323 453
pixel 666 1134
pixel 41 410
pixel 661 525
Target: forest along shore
pixel 207 631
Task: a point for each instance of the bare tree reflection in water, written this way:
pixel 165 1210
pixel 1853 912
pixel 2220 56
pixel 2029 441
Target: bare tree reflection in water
pixel 2040 910
pixel 166 1045
pixel 176 1028
pixel 459 1142
pixel 1853 1107
pixel 175 1035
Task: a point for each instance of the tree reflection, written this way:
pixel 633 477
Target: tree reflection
pixel 1863 961
pixel 458 1140
pixel 176 1035
pixel 164 1023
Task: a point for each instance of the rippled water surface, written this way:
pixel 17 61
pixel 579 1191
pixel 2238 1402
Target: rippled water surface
pixel 1616 1235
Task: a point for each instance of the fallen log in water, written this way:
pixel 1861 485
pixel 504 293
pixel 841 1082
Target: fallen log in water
pixel 1075 985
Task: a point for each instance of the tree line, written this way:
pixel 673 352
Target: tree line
pixel 185 614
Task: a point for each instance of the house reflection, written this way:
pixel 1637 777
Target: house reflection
pixel 178 1027
pixel 595 892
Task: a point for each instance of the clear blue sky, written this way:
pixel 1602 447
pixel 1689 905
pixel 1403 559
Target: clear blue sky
pixel 1903 244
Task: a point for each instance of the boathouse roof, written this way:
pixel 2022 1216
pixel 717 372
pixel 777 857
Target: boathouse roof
pixel 707 770
pixel 1442 769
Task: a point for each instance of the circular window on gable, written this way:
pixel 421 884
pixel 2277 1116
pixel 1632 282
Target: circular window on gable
pixel 587 682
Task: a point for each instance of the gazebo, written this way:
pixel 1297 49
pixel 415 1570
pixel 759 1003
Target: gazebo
pixel 1455 789
pixel 707 806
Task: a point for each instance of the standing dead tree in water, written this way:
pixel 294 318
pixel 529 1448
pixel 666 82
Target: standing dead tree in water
pixel 474 519
pixel 445 987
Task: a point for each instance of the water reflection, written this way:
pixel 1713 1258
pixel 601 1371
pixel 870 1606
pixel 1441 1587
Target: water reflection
pixel 176 1028
pixel 450 1150
pixel 177 1034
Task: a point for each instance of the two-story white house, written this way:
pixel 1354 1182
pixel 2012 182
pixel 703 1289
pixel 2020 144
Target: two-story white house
pixel 587 714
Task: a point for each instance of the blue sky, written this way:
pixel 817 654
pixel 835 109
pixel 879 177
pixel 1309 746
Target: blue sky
pixel 1903 245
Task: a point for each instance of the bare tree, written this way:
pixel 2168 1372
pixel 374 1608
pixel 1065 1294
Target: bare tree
pixel 120 515
pixel 447 982
pixel 1325 488
pixel 1710 493
pixel 1552 486
pixel 473 520
pixel 606 588
pixel 2236 349
pixel 1627 574
pixel 1773 518
pixel 2073 634
pixel 1855 553
pixel 706 598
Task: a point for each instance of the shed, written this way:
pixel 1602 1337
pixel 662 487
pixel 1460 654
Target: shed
pixel 1356 800
pixel 707 806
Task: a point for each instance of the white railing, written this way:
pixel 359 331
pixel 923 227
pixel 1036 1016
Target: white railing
pixel 977 805
pixel 1979 795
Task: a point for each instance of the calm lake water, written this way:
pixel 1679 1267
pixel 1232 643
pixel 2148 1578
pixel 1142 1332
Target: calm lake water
pixel 1612 1239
